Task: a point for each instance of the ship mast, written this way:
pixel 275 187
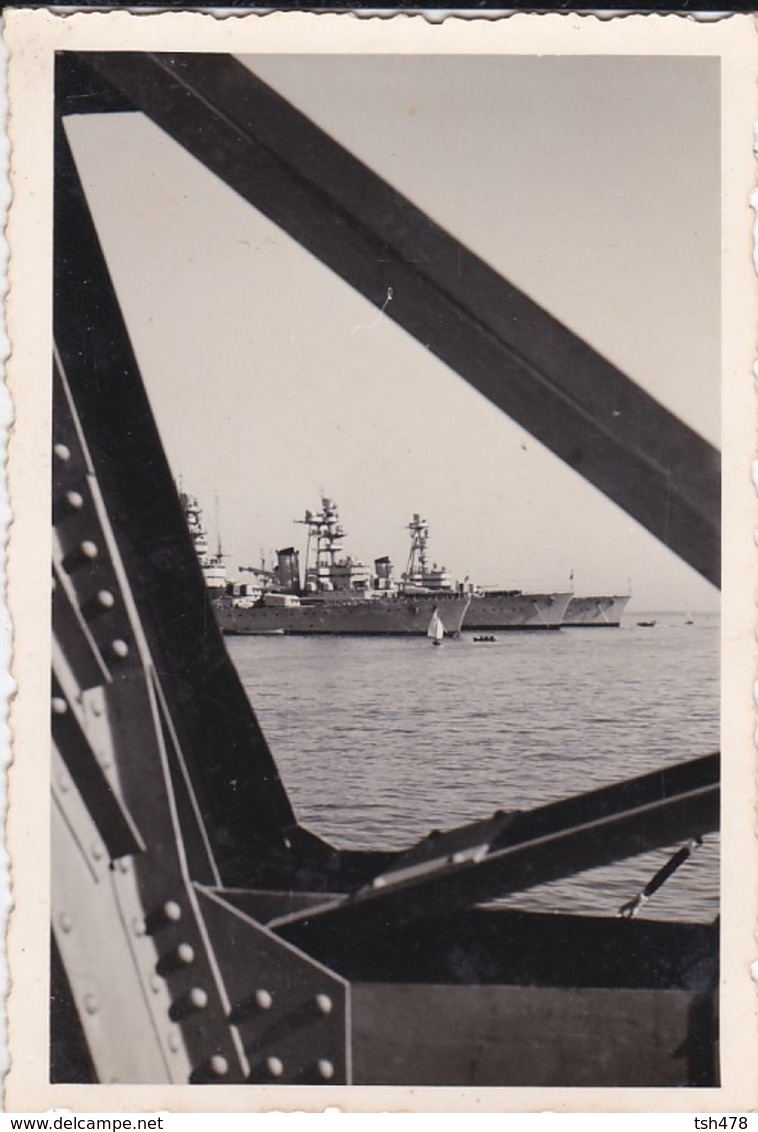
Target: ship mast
pixel 217 511
pixel 326 531
pixel 418 564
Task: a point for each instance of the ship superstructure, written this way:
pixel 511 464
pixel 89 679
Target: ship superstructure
pixel 327 568
pixel 499 609
pixel 212 565
pixel 418 573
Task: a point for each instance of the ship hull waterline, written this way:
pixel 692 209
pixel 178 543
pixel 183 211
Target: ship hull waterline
pixel 392 616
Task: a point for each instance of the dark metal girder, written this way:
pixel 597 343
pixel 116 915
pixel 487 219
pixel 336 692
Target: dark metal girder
pixel 535 847
pixel 542 374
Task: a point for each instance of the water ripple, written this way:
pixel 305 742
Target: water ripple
pixel 378 741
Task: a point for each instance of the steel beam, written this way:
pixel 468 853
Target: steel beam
pixel 526 362
pixel 533 848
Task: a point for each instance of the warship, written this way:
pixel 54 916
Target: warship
pixel 340 596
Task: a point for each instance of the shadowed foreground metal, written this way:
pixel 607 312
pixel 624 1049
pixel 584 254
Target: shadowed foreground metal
pixel 199 933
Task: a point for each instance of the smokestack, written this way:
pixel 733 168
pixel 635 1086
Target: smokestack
pixel 383 571
pixel 288 569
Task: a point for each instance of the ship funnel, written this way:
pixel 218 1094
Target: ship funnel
pixel 288 570
pixel 383 573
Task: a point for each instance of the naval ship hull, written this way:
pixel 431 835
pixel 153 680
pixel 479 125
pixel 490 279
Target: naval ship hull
pixel 394 615
pixel 601 612
pixel 512 609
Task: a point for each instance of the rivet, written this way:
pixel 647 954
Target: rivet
pixel 211 1070
pixel 62 451
pixel 156 984
pixel 97 851
pixel 180 956
pixel 59 705
pixel 138 925
pixel 65 921
pixel 169 913
pixel 84 554
pixel 71 502
pixel 324 1004
pixel 91 1005
pixel 174 1043
pixel 119 648
pixel 101 602
pixel 64 783
pixel 194 1000
pixel 258 1000
pixel 96 709
pixel 274 1066
pixel 123 865
pixel 325 1069
pixel 263 999
pixel 198 998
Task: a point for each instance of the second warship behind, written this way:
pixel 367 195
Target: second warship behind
pixel 490 608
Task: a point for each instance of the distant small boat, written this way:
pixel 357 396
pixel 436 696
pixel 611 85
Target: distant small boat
pixel 689 619
pixel 646 624
pixel 436 630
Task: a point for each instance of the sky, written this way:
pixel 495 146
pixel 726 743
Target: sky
pixel 591 183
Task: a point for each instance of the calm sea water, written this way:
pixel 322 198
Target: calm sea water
pixel 379 741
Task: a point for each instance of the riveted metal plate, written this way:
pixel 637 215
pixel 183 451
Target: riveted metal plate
pixel 112 1000
pixel 292 1012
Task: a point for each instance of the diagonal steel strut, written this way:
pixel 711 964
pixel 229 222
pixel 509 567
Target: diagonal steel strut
pixel 531 366
pixel 534 847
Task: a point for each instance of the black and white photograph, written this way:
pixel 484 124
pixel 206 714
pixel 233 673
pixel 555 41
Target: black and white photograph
pixel 398 451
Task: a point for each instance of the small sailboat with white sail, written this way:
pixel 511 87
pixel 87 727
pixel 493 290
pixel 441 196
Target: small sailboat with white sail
pixel 436 630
